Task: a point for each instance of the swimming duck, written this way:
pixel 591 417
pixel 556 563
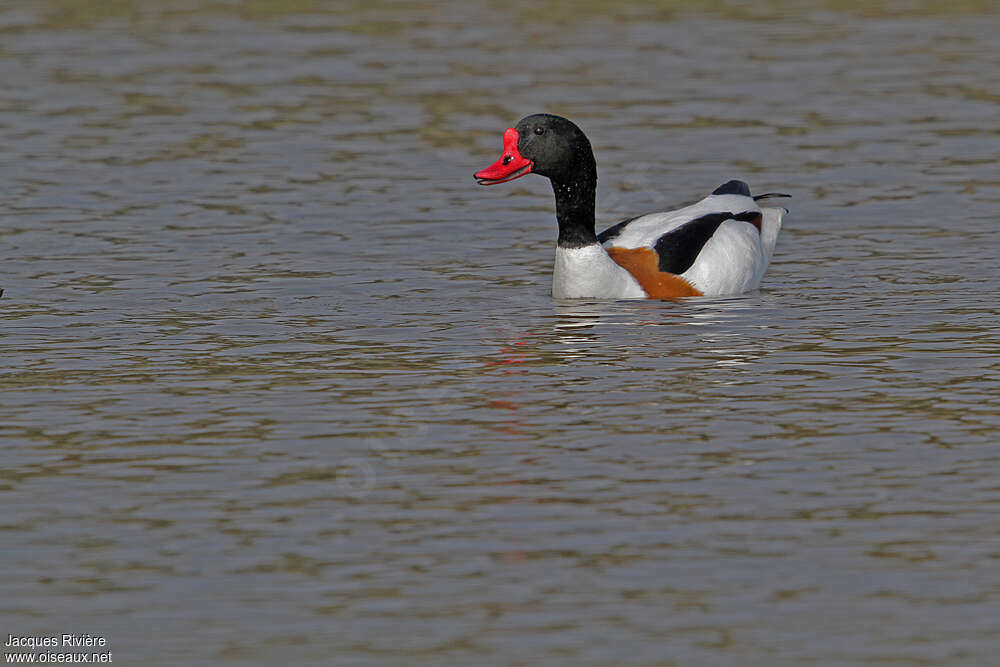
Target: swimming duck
pixel 717 246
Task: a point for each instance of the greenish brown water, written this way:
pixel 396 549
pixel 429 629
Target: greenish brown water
pixel 281 384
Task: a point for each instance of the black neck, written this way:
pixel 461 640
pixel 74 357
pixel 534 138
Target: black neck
pixel 575 209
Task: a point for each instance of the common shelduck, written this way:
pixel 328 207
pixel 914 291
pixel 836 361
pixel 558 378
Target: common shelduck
pixel 720 245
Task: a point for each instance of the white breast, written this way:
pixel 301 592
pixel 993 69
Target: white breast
pixel 590 272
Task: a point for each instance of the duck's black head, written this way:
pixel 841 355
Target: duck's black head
pixel 543 144
pixel 557 149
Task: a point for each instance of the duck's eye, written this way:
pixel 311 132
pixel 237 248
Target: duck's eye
pixel 507 159
pixel 539 130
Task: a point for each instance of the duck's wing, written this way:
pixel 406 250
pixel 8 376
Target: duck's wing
pixel 729 201
pixel 616 229
pixel 720 245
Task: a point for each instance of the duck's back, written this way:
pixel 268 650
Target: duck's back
pixel 719 245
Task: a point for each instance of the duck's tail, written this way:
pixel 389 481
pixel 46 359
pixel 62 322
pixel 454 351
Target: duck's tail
pixel 769 195
pixel 769 227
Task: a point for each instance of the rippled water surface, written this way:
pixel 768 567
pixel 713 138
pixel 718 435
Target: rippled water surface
pixel 282 385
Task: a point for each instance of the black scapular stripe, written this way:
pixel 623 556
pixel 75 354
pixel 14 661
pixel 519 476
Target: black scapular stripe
pixel 732 188
pixel 755 218
pixel 615 229
pixel 678 248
